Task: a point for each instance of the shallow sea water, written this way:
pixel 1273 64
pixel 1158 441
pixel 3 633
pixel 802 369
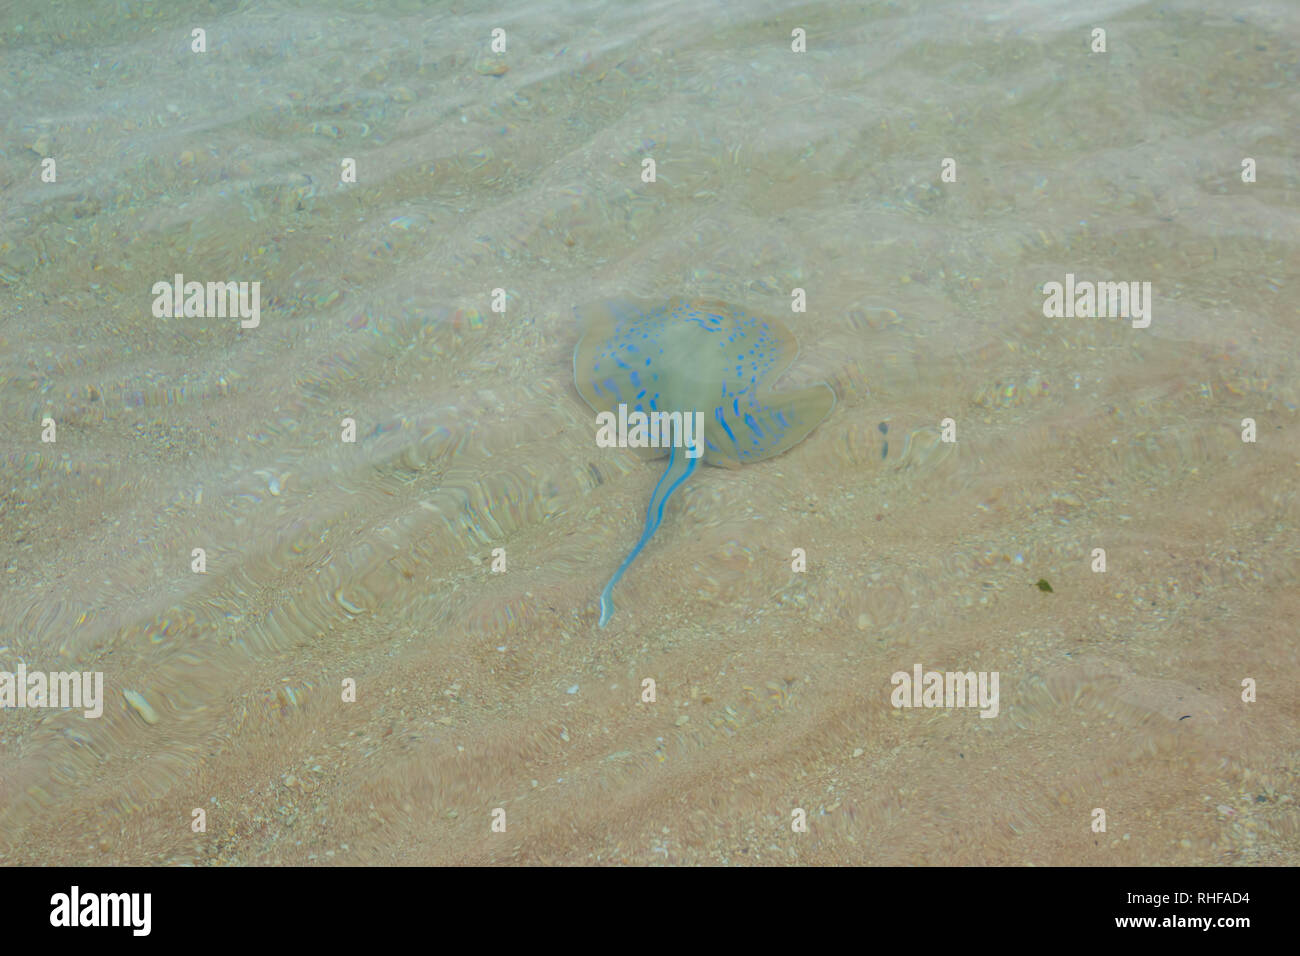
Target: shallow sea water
pixel 372 561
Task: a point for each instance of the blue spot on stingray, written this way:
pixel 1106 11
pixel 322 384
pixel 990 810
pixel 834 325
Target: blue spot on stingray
pixel 717 413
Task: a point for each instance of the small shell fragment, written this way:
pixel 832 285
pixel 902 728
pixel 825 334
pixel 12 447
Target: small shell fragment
pixel 346 604
pixel 141 706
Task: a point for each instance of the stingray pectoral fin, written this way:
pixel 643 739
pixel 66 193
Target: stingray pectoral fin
pixel 746 431
pixel 605 326
pixel 679 469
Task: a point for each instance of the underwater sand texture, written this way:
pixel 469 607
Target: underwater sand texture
pixel 372 561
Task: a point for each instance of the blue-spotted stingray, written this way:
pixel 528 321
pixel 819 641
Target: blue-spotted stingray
pixel 701 356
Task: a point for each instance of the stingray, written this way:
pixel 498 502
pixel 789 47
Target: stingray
pixel 699 356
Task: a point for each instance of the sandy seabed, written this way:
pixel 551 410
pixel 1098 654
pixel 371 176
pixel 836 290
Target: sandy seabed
pixel 371 562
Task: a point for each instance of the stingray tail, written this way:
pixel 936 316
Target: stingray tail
pixel 680 467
